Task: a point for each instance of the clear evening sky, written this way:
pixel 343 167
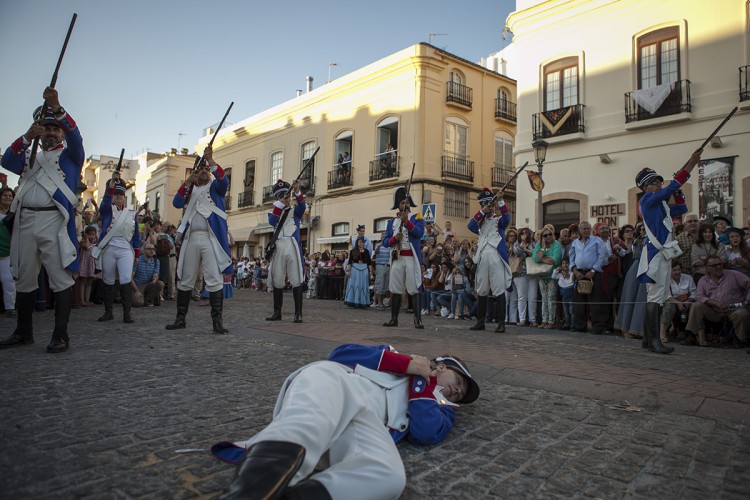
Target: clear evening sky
pixel 138 73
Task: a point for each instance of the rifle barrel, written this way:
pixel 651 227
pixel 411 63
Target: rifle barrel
pixel 62 52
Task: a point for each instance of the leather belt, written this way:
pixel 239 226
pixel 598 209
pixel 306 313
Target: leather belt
pixel 39 209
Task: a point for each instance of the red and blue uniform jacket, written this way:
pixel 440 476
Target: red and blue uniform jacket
pixel 105 209
pixel 654 213
pixel 502 223
pixel 71 161
pixel 429 420
pixel 274 216
pixel 218 192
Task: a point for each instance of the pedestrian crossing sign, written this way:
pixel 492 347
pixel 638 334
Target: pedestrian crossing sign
pixel 428 212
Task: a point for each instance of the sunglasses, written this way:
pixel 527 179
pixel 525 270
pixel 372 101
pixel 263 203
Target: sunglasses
pixel 547 235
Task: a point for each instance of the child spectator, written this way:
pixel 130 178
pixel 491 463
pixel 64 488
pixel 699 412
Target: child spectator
pixel 565 282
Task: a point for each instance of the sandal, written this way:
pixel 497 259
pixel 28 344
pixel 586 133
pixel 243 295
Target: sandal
pixel 549 326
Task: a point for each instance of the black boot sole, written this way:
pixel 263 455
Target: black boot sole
pixel 176 326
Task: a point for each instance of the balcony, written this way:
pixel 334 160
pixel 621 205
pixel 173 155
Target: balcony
pixel 456 167
pixel 558 122
pixel 384 166
pixel 245 199
pixel 268 194
pixel 340 176
pixel 501 174
pixel 744 83
pixel 227 203
pixel 459 94
pixel 505 110
pixel 678 101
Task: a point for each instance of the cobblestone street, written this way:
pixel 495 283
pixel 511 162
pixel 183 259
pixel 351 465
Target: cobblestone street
pixel 560 414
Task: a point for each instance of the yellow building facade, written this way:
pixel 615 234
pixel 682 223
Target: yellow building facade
pixel 617 85
pixel 450 118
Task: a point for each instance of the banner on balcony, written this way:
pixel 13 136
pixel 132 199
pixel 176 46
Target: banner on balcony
pixel 555 119
pixel 715 188
pixel 652 98
pixel 537 184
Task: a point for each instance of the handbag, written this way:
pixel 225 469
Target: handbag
pixel 584 286
pixel 534 268
pixel 515 265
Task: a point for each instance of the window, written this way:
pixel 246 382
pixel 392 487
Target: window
pixel 379 225
pixel 249 175
pixel 157 202
pixel 306 181
pixel 562 213
pixel 503 153
pixel 277 166
pixel 228 174
pixel 344 147
pixel 456 135
pixel 387 135
pixel 502 100
pixel 456 77
pixel 340 229
pixel 659 58
pixel 456 203
pixel 561 84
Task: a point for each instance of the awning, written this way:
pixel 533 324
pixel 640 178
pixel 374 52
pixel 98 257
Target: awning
pixel 334 239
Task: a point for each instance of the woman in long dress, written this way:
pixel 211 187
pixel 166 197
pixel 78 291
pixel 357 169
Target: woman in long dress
pixel 358 272
pixel 632 309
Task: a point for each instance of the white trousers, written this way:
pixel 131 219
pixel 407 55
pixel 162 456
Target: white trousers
pixel 403 270
pixel 9 285
pixel 286 263
pixel 490 273
pixel 39 245
pixel 528 290
pixel 117 264
pixel 329 409
pixel 199 256
pixel 660 291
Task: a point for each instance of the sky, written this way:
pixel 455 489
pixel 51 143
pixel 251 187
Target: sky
pixel 152 75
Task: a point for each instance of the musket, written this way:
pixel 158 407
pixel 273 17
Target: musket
pixel 35 144
pixel 397 251
pixel 119 162
pixel 199 161
pixel 271 246
pixel 502 189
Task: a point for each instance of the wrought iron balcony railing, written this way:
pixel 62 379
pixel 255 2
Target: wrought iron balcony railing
pixel 340 176
pixel 268 194
pixel 502 174
pixel 459 93
pixel 505 109
pixel 384 166
pixel 557 122
pixel 456 167
pixel 744 83
pixel 678 101
pixel 245 199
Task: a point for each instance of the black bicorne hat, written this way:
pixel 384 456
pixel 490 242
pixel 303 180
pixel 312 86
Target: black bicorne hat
pixel 456 364
pixel 484 196
pixel 399 196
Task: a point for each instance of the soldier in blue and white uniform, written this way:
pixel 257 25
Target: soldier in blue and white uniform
pixel 44 230
pixel 403 235
pixel 655 268
pixel 287 261
pixel 493 274
pixel 354 407
pixel 118 248
pixel 205 239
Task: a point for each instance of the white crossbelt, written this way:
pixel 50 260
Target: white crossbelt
pixel 49 177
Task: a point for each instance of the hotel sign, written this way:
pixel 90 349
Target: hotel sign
pixel 609 214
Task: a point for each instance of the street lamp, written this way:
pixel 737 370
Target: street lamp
pixel 540 154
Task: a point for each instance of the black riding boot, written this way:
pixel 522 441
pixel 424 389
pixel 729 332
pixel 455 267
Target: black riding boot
pixel 183 303
pixel 278 303
pixel 216 299
pixel 395 306
pixel 481 313
pixel 417 305
pixel 63 303
pixel 653 314
pixel 309 489
pixel 500 313
pixel 297 294
pixel 126 297
pixel 24 333
pixel 108 297
pixel 266 471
